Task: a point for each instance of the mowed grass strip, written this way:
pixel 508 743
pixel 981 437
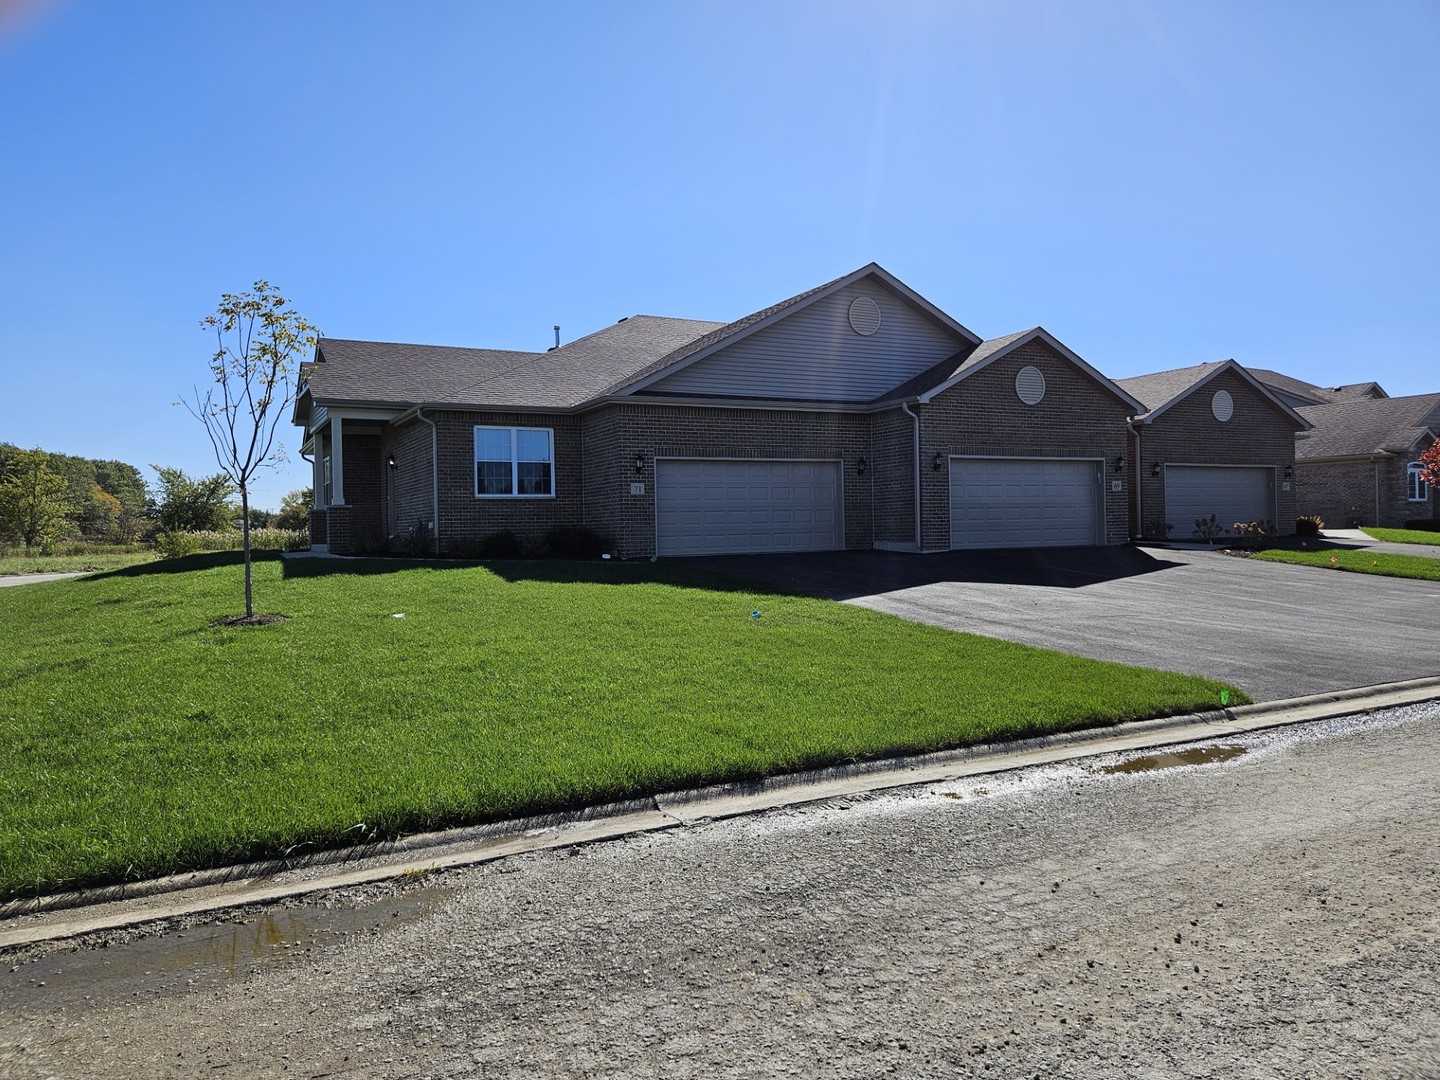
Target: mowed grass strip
pixel 142 740
pixel 1404 536
pixel 1360 562
pixel 64 564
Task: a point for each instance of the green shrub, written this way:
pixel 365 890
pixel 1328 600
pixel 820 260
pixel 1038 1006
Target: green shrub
pixel 500 545
pixel 1309 525
pixel 176 545
pixel 573 542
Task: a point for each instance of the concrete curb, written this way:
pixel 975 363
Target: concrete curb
pixel 55 917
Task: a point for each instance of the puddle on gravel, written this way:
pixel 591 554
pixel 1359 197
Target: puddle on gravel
pixel 199 956
pixel 1199 755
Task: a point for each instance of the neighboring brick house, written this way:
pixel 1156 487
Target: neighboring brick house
pixel 1358 465
pixel 854 415
pixel 1213 440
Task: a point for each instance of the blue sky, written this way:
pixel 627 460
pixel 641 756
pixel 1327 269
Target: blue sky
pixel 1156 184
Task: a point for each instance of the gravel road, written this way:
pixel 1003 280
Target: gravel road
pixel 1272 914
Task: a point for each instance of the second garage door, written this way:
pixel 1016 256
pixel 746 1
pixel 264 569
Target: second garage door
pixel 709 507
pixel 1023 502
pixel 1231 493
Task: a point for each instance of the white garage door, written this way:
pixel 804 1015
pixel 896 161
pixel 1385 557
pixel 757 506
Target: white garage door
pixel 1021 502
pixel 715 507
pixel 1231 493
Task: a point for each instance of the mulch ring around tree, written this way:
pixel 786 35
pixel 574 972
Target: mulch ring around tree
pixel 248 620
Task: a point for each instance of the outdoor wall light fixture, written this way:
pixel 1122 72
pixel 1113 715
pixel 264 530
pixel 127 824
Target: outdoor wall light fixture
pixel 1120 463
pixel 939 461
pixel 860 466
pixel 390 461
pixel 1289 472
pixel 1155 469
pixel 639 463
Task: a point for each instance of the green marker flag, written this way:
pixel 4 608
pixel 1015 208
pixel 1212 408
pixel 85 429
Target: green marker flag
pixel 1224 698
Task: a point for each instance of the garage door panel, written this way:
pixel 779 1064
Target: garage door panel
pixel 1231 493
pixel 1018 502
pixel 706 507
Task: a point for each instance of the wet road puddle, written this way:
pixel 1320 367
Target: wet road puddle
pixel 199 956
pixel 1200 755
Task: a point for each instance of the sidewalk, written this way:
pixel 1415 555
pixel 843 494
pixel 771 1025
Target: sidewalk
pixel 33 579
pixel 1359 539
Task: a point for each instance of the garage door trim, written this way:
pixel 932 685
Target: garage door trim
pixel 839 462
pixel 1099 476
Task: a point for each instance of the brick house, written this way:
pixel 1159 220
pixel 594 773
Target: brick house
pixel 1358 463
pixel 854 415
pixel 1212 439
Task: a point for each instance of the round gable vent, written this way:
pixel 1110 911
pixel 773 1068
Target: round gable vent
pixel 1222 405
pixel 864 316
pixel 1030 385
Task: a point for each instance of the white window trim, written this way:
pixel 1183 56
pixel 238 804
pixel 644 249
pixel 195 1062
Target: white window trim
pixel 1414 483
pixel 514 462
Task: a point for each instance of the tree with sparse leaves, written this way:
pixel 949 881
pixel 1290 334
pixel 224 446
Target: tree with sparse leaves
pixel 259 340
pixel 33 499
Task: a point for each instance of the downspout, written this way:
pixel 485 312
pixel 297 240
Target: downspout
pixel 1139 475
pixel 434 477
pixel 1377 492
pixel 905 408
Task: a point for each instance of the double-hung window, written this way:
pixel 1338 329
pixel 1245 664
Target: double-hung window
pixel 1416 490
pixel 514 462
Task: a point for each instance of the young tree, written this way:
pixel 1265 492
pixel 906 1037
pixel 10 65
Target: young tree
pixel 33 499
pixel 259 339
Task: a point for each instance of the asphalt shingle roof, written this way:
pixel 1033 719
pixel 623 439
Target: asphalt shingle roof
pixel 391 373
pixel 1319 395
pixel 1366 426
pixel 1162 387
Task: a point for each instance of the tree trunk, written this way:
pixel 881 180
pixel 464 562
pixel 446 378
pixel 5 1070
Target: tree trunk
pixel 245 543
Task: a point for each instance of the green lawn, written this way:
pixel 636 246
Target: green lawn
pixel 141 739
pixel 1404 536
pixel 1360 562
pixel 62 564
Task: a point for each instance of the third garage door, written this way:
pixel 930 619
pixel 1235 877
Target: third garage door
pixel 1231 492
pixel 713 507
pixel 1023 502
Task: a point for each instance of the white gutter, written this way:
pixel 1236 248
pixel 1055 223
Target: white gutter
pixel 905 408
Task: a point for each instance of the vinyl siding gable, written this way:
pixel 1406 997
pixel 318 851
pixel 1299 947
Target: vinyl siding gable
pixel 815 355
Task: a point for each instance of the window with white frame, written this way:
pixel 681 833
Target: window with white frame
pixel 1416 489
pixel 514 462
pixel 328 476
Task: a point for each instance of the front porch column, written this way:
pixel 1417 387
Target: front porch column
pixel 337 462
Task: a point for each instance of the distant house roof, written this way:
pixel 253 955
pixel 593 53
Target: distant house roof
pixel 1313 394
pixel 1364 427
pixel 1159 391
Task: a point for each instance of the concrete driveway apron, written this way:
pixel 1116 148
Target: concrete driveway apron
pixel 1276 631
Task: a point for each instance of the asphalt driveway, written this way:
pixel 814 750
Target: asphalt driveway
pixel 1277 631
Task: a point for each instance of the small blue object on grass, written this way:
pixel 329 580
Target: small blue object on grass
pixel 754 614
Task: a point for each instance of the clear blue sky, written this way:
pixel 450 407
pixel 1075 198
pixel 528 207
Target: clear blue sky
pixel 1158 184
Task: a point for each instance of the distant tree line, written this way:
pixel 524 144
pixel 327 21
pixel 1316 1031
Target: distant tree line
pixel 45 497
